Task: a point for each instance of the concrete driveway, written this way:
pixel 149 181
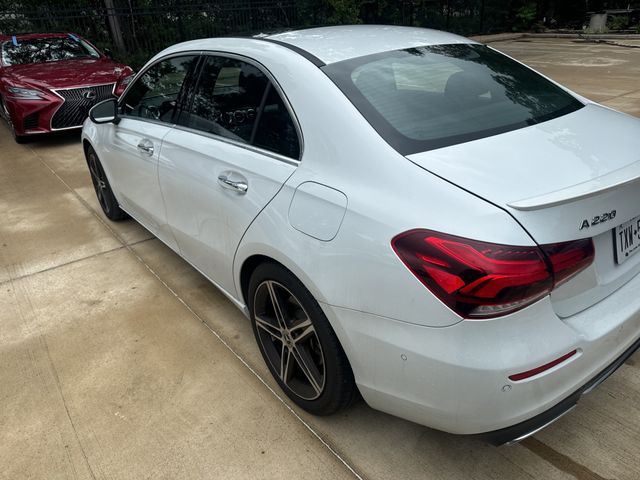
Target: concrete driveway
pixel 118 360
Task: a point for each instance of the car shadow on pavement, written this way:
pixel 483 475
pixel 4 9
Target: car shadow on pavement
pixel 62 138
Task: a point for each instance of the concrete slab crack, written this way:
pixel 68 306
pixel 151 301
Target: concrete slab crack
pixel 54 372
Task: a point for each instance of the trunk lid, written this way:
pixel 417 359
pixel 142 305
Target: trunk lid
pixel 561 180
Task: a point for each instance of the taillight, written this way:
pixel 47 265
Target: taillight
pixel 119 89
pixel 121 86
pixel 483 280
pixel 569 258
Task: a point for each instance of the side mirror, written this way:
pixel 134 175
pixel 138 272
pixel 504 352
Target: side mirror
pixel 108 53
pixel 105 112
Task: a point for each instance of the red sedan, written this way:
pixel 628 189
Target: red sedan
pixel 48 82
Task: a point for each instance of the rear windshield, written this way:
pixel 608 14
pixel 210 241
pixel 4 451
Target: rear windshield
pixel 430 97
pixel 41 50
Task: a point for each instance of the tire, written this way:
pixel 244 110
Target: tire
pixel 21 139
pixel 7 116
pixel 325 384
pixel 106 198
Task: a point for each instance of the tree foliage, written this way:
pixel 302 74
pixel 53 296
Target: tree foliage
pixel 146 26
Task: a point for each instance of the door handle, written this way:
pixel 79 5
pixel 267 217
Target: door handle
pixel 146 146
pixel 239 185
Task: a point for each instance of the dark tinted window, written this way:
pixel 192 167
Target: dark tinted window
pixel 154 95
pixel 275 130
pixel 429 97
pixel 46 50
pixel 227 99
pixel 234 99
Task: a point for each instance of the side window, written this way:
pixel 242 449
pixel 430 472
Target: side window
pixel 276 131
pixel 227 99
pixel 155 93
pixel 236 100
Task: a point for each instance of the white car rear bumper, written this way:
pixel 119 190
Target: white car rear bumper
pixel 456 378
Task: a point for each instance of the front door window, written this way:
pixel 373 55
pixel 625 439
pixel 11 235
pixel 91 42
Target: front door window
pixel 154 95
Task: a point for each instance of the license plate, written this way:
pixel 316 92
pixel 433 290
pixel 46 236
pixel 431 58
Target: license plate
pixel 627 238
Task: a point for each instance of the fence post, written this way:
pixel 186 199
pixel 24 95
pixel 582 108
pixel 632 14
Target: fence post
pixel 114 25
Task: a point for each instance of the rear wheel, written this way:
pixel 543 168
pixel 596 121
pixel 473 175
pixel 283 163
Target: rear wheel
pixel 297 342
pixel 105 195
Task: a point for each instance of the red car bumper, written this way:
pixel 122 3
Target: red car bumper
pixel 60 110
pixel 32 116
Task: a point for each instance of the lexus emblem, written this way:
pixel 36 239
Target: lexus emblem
pixel 88 94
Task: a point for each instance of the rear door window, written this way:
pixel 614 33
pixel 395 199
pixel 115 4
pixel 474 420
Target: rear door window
pixel 275 130
pixel 236 100
pixel 227 99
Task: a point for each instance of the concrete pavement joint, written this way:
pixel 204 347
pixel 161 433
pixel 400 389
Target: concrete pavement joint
pixel 54 371
pixel 248 367
pixel 71 262
pixel 608 99
pixel 309 428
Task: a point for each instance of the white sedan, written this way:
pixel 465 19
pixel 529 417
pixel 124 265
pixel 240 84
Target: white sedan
pixel 401 212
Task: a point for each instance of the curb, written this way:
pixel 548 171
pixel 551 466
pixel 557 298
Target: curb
pixel 503 37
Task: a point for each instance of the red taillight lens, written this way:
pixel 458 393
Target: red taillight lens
pixel 569 258
pixel 119 89
pixel 121 86
pixel 482 280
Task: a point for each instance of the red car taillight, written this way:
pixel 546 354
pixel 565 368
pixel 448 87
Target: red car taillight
pixel 119 89
pixel 482 280
pixel 122 84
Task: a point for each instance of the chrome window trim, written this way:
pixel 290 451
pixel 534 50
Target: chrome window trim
pixel 235 143
pixel 147 120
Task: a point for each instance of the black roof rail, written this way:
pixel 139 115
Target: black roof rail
pixel 312 58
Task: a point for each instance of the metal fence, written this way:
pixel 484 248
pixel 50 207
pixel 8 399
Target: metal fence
pixel 136 29
pixel 134 33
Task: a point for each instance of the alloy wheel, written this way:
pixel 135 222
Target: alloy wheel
pixel 289 340
pixel 99 180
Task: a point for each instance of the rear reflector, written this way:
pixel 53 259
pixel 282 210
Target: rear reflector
pixel 483 280
pixel 542 368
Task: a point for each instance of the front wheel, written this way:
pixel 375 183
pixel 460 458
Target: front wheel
pixel 297 343
pixel 7 116
pixel 105 195
pixel 21 139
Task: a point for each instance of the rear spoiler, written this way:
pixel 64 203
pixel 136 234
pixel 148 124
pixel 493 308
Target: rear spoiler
pixel 610 181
